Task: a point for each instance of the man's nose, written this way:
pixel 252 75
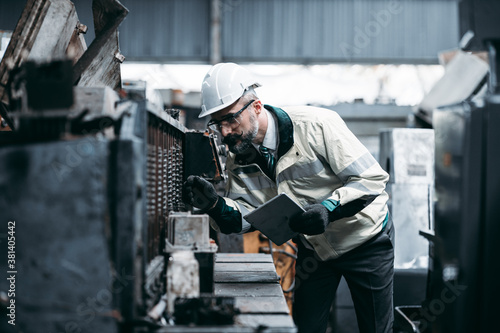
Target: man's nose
pixel 225 130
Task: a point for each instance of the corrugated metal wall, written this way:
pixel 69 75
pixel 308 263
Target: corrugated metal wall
pixel 300 31
pixel 163 30
pixel 344 30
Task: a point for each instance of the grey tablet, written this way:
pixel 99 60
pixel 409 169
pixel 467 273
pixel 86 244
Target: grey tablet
pixel 272 218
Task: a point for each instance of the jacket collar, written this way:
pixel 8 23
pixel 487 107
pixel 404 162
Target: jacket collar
pixel 285 129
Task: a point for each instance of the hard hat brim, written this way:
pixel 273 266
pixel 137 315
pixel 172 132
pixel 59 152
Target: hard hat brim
pixel 204 112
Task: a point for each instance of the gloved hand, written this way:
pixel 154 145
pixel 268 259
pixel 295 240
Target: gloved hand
pixel 351 208
pixel 199 193
pixel 311 222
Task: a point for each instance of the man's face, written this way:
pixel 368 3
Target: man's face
pixel 239 132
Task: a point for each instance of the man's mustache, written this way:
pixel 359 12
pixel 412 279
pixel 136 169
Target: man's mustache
pixel 232 138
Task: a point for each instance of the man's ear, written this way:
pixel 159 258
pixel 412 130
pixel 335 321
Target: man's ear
pixel 258 106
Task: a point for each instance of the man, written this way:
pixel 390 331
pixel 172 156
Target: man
pixel 311 155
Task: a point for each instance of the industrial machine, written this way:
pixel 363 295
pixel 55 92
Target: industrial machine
pixel 101 241
pixel 94 233
pixel 462 294
pixel 89 180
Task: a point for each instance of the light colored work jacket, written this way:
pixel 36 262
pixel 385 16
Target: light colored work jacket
pixel 318 158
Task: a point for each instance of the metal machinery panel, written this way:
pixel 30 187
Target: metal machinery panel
pixel 50 29
pixel 89 181
pixel 411 211
pixel 480 17
pixel 407 154
pixel 164 176
pixel 89 247
pixel 111 167
pixel 463 296
pixel 489 286
pixel 90 186
pixel 56 195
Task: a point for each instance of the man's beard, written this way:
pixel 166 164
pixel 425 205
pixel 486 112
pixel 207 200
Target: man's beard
pixel 245 139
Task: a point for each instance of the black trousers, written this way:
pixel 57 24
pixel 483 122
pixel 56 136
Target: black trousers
pixel 368 271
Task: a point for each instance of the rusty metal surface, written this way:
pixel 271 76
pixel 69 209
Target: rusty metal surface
pixel 104 69
pixel 55 32
pixel 77 45
pixel 164 178
pixel 98 66
pixel 22 41
pixel 50 29
pixel 43 32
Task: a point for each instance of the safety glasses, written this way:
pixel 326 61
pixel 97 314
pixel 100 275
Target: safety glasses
pixel 229 121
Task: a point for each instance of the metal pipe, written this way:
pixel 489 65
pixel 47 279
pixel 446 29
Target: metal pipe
pixel 494 60
pixel 215 32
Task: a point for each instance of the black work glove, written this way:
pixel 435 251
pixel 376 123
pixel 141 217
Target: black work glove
pixel 311 222
pixel 351 208
pixel 199 193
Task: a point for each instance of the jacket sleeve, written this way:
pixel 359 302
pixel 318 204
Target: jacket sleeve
pixel 362 177
pixel 227 215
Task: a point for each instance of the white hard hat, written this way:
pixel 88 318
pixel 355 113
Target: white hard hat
pixel 223 85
